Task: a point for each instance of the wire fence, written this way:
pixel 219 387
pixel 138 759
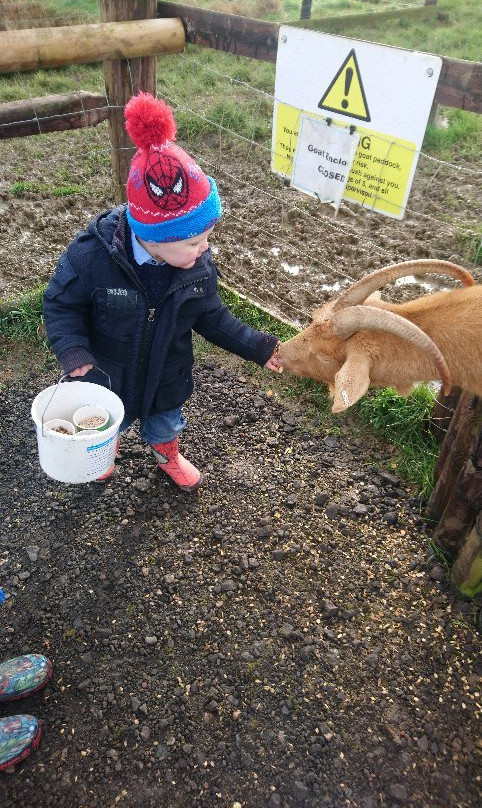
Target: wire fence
pixel 282 249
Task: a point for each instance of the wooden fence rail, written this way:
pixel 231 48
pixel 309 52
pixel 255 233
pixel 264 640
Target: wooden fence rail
pixel 33 48
pixel 52 113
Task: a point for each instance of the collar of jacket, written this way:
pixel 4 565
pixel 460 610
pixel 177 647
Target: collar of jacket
pixel 112 228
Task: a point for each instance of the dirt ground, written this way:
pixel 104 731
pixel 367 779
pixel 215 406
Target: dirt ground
pixel 277 640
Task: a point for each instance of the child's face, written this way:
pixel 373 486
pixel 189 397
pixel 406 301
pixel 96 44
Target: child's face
pixel 180 254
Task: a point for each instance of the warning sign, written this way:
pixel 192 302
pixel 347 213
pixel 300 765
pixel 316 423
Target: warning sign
pixel 381 170
pixel 355 83
pixel 345 94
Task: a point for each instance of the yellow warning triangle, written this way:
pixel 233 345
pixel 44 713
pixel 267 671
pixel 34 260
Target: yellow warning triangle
pixel 346 95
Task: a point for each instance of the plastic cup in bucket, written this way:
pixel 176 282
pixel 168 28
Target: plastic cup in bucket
pixel 83 456
pixel 92 417
pixel 60 426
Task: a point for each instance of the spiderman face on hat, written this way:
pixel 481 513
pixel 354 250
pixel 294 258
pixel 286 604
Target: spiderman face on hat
pixel 166 181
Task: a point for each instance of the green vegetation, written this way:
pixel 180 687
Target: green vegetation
pixel 460 135
pixel 405 422
pixel 22 320
pixel 257 318
pixel 21 86
pixel 21 188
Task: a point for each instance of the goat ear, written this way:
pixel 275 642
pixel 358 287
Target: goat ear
pixel 352 380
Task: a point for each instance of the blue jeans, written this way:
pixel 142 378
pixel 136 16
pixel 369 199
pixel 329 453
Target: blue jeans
pixel 161 427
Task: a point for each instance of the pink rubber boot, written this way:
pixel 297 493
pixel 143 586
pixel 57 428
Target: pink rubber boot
pixel 109 472
pixel 181 471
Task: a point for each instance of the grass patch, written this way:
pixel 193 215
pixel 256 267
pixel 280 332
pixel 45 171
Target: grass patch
pixel 23 343
pixel 461 137
pixel 23 319
pixel 472 246
pixel 21 188
pixel 254 316
pixel 405 423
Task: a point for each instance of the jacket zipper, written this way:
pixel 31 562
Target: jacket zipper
pixel 139 391
pixel 146 341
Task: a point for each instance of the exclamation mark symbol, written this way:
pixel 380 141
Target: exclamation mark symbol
pixel 348 78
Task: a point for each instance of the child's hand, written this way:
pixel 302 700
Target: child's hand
pixel 80 371
pixel 273 362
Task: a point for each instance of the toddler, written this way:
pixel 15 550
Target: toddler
pixel 129 290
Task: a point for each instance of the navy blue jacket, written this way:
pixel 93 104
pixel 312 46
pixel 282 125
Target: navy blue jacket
pixel 96 302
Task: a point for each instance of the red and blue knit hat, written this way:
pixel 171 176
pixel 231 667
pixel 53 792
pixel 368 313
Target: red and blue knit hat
pixel 169 198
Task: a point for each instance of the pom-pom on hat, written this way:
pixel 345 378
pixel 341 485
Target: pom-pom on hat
pixel 169 198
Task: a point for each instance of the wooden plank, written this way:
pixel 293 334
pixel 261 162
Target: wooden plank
pixel 52 113
pixel 34 48
pixel 230 33
pixel 459 84
pixel 464 501
pixel 454 450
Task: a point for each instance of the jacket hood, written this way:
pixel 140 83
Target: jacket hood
pixel 111 228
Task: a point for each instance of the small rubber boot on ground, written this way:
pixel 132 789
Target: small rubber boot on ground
pixel 23 675
pixel 186 476
pixel 110 471
pixel 19 734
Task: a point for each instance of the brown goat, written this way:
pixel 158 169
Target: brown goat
pixel 359 340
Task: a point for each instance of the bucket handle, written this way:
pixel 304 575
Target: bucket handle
pixel 62 378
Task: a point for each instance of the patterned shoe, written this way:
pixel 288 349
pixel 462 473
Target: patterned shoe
pixel 23 675
pixel 19 734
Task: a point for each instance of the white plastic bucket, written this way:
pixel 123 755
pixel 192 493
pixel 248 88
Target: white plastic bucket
pixel 78 458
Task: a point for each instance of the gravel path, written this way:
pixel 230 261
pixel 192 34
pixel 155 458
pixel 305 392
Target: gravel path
pixel 276 640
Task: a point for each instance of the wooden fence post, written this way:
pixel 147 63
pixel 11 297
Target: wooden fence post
pixel 442 413
pixel 305 13
pixel 453 452
pixel 124 78
pixel 458 493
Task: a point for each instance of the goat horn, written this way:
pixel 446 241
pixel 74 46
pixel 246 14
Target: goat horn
pixel 375 280
pixel 370 318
